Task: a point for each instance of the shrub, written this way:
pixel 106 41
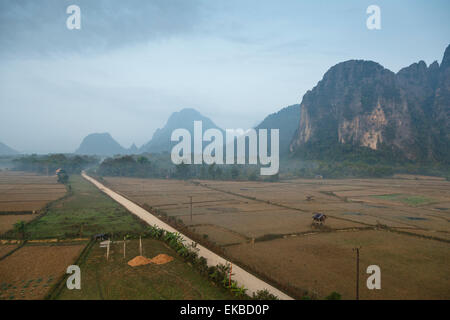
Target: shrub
pixel 263 295
pixel 218 274
pixel 333 296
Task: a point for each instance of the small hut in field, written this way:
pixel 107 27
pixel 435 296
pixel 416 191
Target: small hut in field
pixel 319 217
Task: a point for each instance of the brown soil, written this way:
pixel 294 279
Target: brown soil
pixel 31 271
pixel 411 267
pixel 5 248
pixel 323 263
pixel 7 221
pixel 22 191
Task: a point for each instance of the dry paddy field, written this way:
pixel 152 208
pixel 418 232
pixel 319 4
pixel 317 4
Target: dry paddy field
pixel 401 224
pixel 6 248
pixel 22 193
pixel 32 270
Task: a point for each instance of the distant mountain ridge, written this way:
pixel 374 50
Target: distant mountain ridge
pixel 361 104
pixel 101 144
pixel 133 149
pixel 6 150
pixel 184 119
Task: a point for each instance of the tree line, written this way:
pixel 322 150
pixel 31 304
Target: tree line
pixel 160 166
pixel 48 164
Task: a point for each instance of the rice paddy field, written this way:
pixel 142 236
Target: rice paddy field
pixel 31 271
pixel 6 248
pixel 35 269
pixel 24 191
pixel 23 194
pixel 401 225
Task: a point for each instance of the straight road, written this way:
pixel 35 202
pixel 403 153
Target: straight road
pixel 242 277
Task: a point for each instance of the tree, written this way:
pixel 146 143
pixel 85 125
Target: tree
pixel 203 171
pixel 334 296
pixel 19 228
pixel 143 160
pixel 212 171
pixel 219 173
pixel 253 176
pixel 62 176
pixel 182 170
pixel 234 173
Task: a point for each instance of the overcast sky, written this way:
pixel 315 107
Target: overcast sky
pixel 133 63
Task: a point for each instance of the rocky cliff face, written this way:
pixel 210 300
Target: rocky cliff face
pixel 362 104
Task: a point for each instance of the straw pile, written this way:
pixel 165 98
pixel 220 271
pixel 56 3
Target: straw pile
pixel 161 259
pixel 139 261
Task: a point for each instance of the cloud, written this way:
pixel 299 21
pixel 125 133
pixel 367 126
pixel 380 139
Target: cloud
pixel 34 28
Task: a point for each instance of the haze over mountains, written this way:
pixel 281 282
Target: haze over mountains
pixel 101 144
pixel 286 120
pixel 104 144
pixel 357 104
pixel 183 119
pixel 361 104
pixel 6 150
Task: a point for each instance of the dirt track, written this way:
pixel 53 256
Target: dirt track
pixel 251 282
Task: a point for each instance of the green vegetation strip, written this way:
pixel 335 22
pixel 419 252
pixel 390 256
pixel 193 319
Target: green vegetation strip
pixel 84 212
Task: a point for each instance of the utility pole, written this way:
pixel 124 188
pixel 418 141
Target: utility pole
pixel 107 250
pixel 357 272
pixel 191 207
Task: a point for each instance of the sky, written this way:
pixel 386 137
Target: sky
pixel 133 63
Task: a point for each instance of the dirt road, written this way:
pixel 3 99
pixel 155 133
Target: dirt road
pixel 251 282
